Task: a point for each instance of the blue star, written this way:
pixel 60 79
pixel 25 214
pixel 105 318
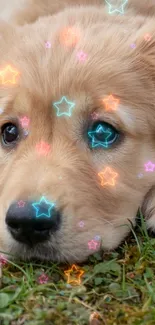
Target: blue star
pixel 97 143
pixel 120 9
pixel 39 207
pixel 59 106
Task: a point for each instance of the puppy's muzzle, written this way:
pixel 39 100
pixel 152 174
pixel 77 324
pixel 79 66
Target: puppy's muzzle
pixel 32 223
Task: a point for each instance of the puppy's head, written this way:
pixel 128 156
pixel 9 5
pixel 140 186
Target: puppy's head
pixel 77 132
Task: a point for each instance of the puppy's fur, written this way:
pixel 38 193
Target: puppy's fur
pixel 112 67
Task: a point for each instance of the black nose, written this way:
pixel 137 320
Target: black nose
pixel 32 222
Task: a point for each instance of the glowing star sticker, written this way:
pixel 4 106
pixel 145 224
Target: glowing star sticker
pixel 107 176
pixel 111 103
pixel 60 105
pixel 97 143
pixel 24 121
pixel 26 132
pixel 149 167
pixel 21 204
pixel 77 274
pixel 48 45
pixel 43 148
pixel 69 36
pixel 133 45
pixel 8 75
pixel 93 244
pixel 119 7
pixel 81 56
pixel 147 37
pixel 43 211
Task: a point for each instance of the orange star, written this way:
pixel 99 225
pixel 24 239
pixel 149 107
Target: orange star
pixel 77 272
pixel 43 148
pixel 107 177
pixel 111 102
pixel 8 75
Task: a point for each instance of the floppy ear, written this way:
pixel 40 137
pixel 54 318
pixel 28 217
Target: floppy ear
pixel 148 209
pixel 145 63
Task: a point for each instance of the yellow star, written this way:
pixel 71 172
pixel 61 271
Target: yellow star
pixel 77 273
pixel 8 75
pixel 107 177
pixel 111 102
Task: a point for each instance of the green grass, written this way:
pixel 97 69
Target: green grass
pixel 119 286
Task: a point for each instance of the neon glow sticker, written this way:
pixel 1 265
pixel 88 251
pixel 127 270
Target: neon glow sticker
pixel 108 177
pixel 42 206
pixel 8 75
pixel 64 107
pixel 116 7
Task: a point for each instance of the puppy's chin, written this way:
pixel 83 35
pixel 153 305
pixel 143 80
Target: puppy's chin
pixel 61 249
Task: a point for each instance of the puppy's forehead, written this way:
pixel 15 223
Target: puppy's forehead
pixel 48 75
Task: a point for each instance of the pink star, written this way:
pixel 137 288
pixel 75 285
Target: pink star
pixel 43 148
pixel 81 224
pixel 81 56
pixel 24 121
pixel 43 278
pixel 149 167
pixel 94 116
pixel 21 204
pixel 133 46
pixel 48 45
pixel 93 244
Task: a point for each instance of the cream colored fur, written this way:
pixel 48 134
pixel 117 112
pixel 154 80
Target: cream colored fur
pixel 48 74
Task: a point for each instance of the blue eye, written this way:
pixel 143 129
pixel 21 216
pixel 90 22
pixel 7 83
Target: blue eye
pixel 102 135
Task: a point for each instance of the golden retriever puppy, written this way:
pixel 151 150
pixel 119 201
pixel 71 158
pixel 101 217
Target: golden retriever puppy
pixel 77 119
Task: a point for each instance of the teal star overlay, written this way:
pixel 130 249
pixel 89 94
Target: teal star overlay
pixel 38 207
pixel 97 143
pixel 59 106
pixel 120 9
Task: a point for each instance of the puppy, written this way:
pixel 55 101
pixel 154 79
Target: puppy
pixel 77 158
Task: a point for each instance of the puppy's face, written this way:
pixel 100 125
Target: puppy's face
pixel 77 129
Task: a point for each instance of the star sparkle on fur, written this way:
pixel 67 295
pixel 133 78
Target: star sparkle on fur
pixel 21 204
pixel 108 176
pixel 38 207
pixel 60 106
pixel 93 245
pixel 24 121
pixel 48 45
pixel 8 75
pixel 113 7
pixel 43 148
pixel 147 37
pixel 149 167
pixel 69 36
pixel 96 143
pixel 81 56
pixel 77 274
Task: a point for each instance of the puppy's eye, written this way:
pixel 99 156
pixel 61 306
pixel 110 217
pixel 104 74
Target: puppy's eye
pixel 10 133
pixel 102 134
